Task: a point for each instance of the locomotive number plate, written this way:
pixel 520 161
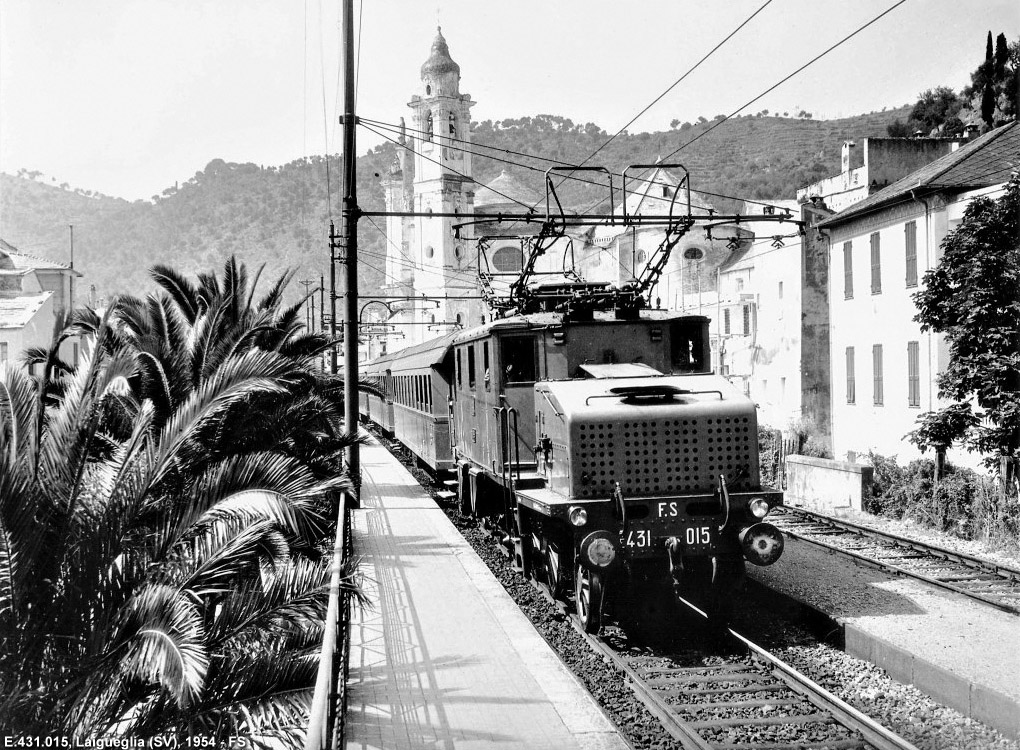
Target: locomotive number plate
pixel 697 537
pixel 640 538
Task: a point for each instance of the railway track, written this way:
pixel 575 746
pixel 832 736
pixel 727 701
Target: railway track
pixel 743 701
pixel 990 583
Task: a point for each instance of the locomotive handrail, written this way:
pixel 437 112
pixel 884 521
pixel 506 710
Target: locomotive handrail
pixel 653 392
pixel 500 412
pixel 548 398
pixel 515 444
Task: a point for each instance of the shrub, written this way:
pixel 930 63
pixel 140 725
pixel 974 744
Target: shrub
pixel 965 503
pixel 768 455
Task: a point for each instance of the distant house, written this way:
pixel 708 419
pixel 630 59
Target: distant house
pixel 883 367
pixel 35 295
pixel 757 319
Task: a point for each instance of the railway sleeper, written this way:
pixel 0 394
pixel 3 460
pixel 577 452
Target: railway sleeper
pixel 802 745
pixel 752 688
pixel 751 703
pixel 815 718
pixel 706 678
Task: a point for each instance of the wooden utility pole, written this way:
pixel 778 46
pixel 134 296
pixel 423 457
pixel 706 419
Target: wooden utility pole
pixel 349 236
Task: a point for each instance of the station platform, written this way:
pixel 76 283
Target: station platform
pixel 962 653
pixel 443 658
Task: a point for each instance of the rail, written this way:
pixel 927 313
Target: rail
pixel 990 583
pixel 329 702
pixel 689 733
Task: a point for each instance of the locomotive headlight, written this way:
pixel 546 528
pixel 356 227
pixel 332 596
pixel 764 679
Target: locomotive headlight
pixel 597 550
pixel 578 516
pixel 601 553
pixel 758 507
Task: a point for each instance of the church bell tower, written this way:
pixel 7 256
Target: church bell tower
pixel 444 264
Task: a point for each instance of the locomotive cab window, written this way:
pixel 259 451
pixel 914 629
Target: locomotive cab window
pixel 471 366
pixel 689 346
pixel 485 364
pixel 518 359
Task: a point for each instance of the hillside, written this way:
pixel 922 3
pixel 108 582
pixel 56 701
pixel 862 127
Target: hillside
pixel 278 215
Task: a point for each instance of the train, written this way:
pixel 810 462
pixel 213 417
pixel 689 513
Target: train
pixel 599 449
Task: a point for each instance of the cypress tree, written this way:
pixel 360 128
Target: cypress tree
pixel 1001 56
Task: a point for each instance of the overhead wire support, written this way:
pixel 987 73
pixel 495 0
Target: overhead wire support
pixel 349 235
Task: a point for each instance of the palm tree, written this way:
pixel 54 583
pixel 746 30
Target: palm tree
pixel 159 574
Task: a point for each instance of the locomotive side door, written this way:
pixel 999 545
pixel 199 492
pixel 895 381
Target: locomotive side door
pixel 518 371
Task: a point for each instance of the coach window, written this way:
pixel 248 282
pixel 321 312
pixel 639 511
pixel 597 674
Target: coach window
pixel 471 366
pixel 518 359
pixel 428 392
pixel 460 380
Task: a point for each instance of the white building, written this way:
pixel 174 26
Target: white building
pixel 35 295
pixel 758 320
pixel 883 367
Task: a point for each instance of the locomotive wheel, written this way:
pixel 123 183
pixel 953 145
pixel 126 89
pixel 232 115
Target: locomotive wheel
pixel 553 570
pixel 588 594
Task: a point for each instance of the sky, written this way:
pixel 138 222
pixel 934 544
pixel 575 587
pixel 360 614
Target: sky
pixel 127 97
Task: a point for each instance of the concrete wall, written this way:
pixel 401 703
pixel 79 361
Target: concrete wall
pixel 826 485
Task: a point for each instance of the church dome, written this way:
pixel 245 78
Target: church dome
pixel 504 192
pixel 439 62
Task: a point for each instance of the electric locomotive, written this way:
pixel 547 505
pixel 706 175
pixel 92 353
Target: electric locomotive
pixel 600 450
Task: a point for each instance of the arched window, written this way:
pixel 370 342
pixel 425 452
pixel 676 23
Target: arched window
pixel 507 259
pixel 429 252
pixel 428 126
pixel 453 125
pixel 428 89
pixel 641 256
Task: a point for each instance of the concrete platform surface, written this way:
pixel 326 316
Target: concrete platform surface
pixel 444 658
pixel 962 653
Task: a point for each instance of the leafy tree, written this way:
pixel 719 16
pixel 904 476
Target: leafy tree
pixel 898 129
pixel 934 109
pixel 971 298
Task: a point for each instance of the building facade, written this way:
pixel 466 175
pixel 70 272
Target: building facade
pixel 35 298
pixel 884 368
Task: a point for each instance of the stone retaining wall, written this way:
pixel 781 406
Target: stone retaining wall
pixel 826 485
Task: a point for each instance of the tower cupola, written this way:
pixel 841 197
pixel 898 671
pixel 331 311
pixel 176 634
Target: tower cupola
pixel 440 74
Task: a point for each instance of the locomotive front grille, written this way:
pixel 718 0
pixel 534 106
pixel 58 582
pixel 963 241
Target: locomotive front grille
pixel 654 457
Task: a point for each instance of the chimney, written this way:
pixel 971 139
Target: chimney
pixel 845 156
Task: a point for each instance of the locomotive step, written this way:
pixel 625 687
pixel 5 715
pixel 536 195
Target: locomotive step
pixel 446 495
pixel 530 480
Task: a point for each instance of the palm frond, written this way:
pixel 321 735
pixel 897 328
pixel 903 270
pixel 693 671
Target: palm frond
pixel 274 297
pixel 162 642
pixel 223 556
pixel 182 291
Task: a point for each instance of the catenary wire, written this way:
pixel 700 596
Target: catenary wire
pixel 787 78
pixel 677 82
pixel 395 129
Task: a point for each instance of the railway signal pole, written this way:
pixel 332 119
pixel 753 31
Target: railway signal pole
pixel 349 238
